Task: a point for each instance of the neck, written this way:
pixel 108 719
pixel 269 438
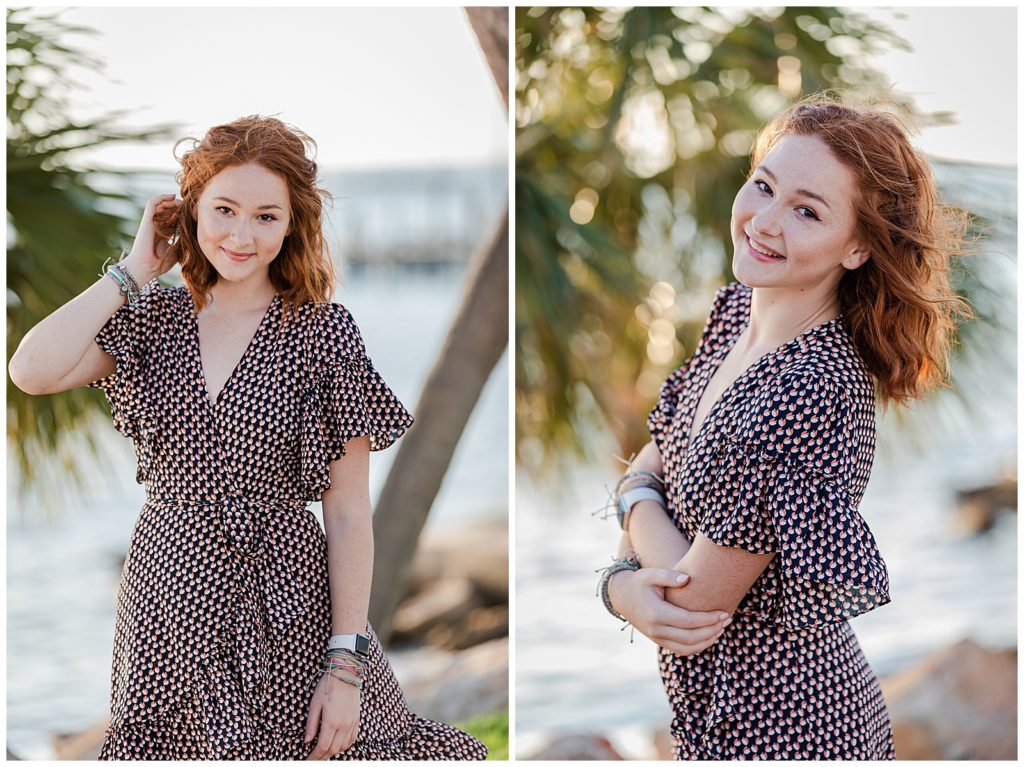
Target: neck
pixel 236 297
pixel 778 315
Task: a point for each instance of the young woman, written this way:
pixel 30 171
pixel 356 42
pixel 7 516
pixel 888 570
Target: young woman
pixel 764 442
pixel 241 628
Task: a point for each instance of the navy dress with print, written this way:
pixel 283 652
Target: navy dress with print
pixel 778 466
pixel 223 611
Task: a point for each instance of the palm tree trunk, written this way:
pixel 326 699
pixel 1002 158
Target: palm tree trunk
pixel 477 339
pixel 490 25
pixel 475 343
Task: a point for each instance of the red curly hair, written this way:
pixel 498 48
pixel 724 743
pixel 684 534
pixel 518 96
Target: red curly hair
pixel 303 270
pixel 899 306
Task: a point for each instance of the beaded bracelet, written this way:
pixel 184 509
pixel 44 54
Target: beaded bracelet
pixel 629 562
pixel 129 288
pixel 357 683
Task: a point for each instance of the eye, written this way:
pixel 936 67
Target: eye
pixel 763 186
pixel 267 217
pixel 809 214
pixel 224 209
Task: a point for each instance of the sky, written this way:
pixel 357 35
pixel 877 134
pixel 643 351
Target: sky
pixel 374 87
pixel 407 86
pixel 965 61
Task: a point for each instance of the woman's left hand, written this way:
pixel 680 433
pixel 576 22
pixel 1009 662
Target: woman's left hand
pixel 335 710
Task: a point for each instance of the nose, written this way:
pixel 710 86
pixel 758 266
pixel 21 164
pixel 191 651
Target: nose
pixel 766 220
pixel 241 233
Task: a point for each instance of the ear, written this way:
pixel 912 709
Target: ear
pixel 856 257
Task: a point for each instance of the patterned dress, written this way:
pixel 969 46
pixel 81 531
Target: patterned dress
pixel 779 465
pixel 223 612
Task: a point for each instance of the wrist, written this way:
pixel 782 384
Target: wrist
pixel 629 562
pixel 133 263
pixel 615 583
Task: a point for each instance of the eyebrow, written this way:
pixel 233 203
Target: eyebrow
pixel 803 192
pixel 265 207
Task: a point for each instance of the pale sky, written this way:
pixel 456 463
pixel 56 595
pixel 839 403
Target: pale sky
pixel 373 86
pixel 964 61
pixel 400 86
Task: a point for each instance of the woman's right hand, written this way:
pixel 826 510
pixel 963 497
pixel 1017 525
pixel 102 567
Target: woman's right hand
pixel 149 257
pixel 639 596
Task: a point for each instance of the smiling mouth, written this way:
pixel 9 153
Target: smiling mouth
pixel 767 252
pixel 238 256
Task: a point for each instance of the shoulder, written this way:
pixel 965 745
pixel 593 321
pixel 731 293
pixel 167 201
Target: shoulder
pixel 731 301
pixel 730 312
pixel 803 410
pixel 829 356
pixel 332 328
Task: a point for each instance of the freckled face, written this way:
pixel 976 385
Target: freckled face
pixel 242 220
pixel 793 221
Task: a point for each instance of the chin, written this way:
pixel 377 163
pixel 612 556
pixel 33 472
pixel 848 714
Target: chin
pixel 748 274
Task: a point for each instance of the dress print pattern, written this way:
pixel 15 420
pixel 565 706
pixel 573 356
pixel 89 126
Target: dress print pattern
pixel 779 465
pixel 223 611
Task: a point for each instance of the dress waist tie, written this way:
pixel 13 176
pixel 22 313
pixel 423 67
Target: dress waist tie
pixel 267 596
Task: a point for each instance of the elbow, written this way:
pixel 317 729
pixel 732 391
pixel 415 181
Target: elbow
pixel 21 376
pixel 29 377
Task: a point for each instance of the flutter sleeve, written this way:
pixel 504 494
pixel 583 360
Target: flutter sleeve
pixel 128 337
pixel 346 398
pixel 778 485
pixel 125 338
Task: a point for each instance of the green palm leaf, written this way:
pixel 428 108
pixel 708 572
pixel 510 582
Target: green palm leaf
pixel 61 227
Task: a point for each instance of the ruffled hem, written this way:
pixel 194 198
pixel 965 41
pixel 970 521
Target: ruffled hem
pixel 183 738
pixel 828 565
pixel 347 399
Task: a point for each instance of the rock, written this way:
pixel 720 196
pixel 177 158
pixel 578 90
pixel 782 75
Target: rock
pixel 664 744
pixel 959 703
pixel 978 507
pixel 577 747
pixel 83 745
pixel 481 625
pixel 477 550
pixel 452 687
pixel 448 601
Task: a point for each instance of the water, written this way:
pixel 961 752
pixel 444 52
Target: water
pixel 62 577
pixel 575 670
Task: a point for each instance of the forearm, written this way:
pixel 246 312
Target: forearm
pixel 349 567
pixel 654 537
pixel 719 576
pixel 57 344
pixel 651 532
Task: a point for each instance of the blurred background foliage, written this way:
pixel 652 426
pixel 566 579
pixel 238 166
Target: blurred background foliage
pixel 61 225
pixel 633 133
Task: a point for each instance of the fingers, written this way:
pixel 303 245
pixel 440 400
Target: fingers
pixel 686 637
pixel 685 634
pixel 323 746
pixel 342 740
pixel 687 649
pixel 313 718
pixel 332 741
pixel 657 576
pixel 161 198
pixel 673 615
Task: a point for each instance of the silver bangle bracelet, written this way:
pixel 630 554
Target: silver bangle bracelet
pixel 627 563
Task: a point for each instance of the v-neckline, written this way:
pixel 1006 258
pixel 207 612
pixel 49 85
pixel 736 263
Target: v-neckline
pixel 719 358
pixel 205 387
